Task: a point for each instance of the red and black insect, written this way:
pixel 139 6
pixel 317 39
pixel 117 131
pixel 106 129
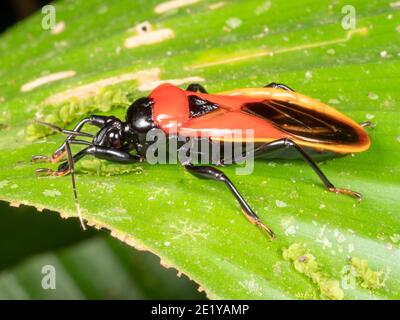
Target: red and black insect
pixel 282 120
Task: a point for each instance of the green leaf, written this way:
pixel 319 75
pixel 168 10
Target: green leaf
pixel 196 226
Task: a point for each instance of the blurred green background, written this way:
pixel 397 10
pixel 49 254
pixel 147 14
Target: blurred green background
pixel 89 265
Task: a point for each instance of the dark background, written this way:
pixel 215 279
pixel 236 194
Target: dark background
pixel 12 11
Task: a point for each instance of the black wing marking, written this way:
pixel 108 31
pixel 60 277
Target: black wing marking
pixel 199 106
pixel 303 123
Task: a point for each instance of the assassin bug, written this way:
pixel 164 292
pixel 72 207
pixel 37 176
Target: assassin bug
pixel 281 119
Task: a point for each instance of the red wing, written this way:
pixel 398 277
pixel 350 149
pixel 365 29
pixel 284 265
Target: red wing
pixel 221 125
pixel 275 114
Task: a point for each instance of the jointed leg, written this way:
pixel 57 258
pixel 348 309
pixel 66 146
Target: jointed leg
pixel 287 143
pixel 208 172
pixel 275 85
pixel 367 124
pixel 196 87
pixel 59 154
pixel 96 151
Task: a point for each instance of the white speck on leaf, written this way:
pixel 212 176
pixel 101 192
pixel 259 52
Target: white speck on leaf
pixel 289 226
pixel 373 96
pixel 333 101
pixel 95 88
pixel 280 204
pixel 103 9
pixel 188 229
pixel 217 5
pixel 47 79
pixel 370 116
pixel 308 75
pixel 167 243
pixel 52 193
pixel 395 238
pixel 149 38
pixel 339 236
pixel 291 230
pixel 234 22
pixel 323 239
pixel 173 5
pixel 325 242
pixel 3 183
pixel 159 191
pixel 293 194
pixel 120 210
pixel 108 187
pixel 395 5
pixel 331 51
pixel 251 286
pixel 263 8
pixel 383 54
pixel 58 28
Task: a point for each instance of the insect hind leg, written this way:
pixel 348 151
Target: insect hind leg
pixel 196 87
pixel 208 172
pixel 287 143
pixel 275 85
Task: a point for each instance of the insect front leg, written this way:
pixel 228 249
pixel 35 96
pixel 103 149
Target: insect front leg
pixel 196 87
pixel 275 85
pixel 64 169
pixel 287 143
pixel 99 152
pixel 208 172
pixel 59 154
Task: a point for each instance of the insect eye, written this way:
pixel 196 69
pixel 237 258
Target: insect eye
pixel 113 135
pixel 114 139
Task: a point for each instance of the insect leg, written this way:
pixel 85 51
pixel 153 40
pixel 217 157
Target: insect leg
pixel 96 151
pixel 69 166
pixel 367 124
pixel 59 154
pixel 287 143
pixel 63 169
pixel 196 87
pixel 275 85
pixel 208 172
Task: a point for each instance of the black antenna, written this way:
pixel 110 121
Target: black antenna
pixel 72 171
pixel 65 131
